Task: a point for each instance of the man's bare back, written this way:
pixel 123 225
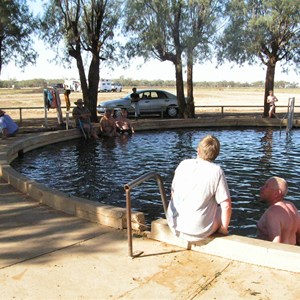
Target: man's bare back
pixel 280 223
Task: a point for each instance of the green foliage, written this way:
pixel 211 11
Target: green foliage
pixel 267 31
pixel 81 27
pixel 17 25
pixel 85 29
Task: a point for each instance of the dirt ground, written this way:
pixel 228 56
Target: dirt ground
pixel 29 104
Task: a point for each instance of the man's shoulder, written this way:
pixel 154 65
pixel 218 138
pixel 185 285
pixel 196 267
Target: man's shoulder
pixel 187 162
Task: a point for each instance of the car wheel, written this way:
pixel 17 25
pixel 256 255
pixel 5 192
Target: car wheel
pixel 172 112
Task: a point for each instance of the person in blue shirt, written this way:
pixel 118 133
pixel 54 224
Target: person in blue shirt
pixel 7 126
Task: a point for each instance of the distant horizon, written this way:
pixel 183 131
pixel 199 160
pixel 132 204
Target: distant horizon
pixel 152 70
pixel 140 70
pixel 61 80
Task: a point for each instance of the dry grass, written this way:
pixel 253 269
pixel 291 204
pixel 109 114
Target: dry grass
pixel 24 98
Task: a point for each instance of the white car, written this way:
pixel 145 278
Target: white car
pixel 151 102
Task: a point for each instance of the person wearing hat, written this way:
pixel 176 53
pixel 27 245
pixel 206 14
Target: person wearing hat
pixel 7 126
pixel 108 124
pixel 82 117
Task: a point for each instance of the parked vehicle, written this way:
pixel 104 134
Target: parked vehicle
pixel 59 87
pixel 116 87
pixel 151 101
pixel 72 85
pixel 105 85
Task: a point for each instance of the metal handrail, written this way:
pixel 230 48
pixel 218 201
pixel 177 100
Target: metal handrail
pixel 290 114
pixel 128 187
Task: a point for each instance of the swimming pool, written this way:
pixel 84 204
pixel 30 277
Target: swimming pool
pixel 98 171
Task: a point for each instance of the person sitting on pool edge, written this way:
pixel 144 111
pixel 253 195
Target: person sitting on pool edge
pixel 8 127
pixel 200 200
pixel 280 223
pixel 82 115
pixel 123 123
pixel 108 124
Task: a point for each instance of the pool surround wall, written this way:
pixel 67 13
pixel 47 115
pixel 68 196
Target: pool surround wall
pixel 279 256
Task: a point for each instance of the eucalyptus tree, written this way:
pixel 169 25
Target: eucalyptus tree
pixel 84 29
pixel 201 21
pixel 17 26
pixel 155 30
pixel 266 31
pixel 180 31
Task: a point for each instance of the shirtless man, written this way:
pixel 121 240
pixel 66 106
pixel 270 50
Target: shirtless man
pixel 108 124
pixel 271 100
pixel 281 221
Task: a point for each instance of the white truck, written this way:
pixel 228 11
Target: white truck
pixel 104 85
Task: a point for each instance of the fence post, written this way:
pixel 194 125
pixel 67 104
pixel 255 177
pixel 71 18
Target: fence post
pixel 20 110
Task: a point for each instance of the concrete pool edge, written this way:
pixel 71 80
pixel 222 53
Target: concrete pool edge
pixel 243 249
pixel 234 247
pixel 111 216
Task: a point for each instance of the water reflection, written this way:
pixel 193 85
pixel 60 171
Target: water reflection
pixel 98 171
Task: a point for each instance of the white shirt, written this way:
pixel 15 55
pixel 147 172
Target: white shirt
pixel 198 187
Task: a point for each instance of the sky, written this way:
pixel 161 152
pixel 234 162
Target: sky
pixel 138 70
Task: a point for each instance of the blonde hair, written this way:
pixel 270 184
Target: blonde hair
pixel 209 148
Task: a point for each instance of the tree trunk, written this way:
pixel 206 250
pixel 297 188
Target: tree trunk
pixel 190 106
pixel 93 78
pixel 180 88
pixel 1 55
pixel 269 85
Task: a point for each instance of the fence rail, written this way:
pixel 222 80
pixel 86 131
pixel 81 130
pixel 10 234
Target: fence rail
pixel 19 113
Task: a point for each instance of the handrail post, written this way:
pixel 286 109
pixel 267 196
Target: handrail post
pixel 162 193
pixel 129 228
pixel 127 188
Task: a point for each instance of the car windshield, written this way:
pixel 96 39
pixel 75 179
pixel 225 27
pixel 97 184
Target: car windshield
pixel 153 95
pixel 149 95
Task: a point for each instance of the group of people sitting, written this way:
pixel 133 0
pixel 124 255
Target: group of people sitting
pixel 108 125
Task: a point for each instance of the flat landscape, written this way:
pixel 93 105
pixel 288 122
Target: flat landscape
pixel 31 100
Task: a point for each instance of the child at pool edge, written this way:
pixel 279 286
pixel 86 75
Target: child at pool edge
pixel 200 200
pixel 271 99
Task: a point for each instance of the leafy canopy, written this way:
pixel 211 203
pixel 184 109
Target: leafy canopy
pixel 17 26
pixel 264 30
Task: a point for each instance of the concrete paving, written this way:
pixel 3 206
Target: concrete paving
pixel 48 254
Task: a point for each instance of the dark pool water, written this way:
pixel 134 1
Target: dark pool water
pixel 99 170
